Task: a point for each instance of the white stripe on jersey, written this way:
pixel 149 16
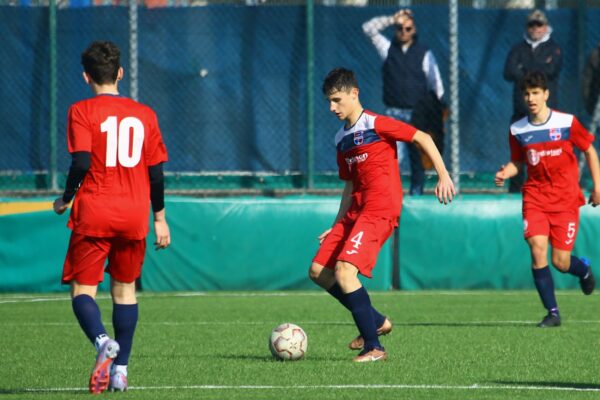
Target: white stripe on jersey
pixel 365 122
pixel 557 120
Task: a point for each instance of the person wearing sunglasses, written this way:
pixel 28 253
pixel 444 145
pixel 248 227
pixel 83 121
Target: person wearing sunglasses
pixel 537 51
pixel 412 86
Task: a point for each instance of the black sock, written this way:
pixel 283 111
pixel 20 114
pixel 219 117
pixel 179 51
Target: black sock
pixel 88 314
pixel 359 304
pixel 578 267
pixel 125 318
pixel 336 292
pixel 545 287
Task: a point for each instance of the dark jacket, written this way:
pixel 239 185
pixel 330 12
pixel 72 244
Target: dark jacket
pixel 522 58
pixel 590 81
pixel 404 82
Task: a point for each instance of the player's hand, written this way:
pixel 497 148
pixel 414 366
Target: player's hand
pixel 500 177
pixel 444 190
pixel 163 235
pixel 323 235
pixel 594 198
pixel 60 206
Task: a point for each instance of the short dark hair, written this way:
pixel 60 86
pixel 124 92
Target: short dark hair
pixel 534 79
pixel 101 61
pixel 338 80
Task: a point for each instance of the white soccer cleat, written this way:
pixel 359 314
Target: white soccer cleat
pixel 118 382
pixel 101 373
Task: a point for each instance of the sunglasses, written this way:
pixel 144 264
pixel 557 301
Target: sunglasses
pixel 536 24
pixel 405 29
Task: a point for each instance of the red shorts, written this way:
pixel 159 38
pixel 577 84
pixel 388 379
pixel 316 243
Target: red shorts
pixel 561 227
pixel 356 242
pixel 86 257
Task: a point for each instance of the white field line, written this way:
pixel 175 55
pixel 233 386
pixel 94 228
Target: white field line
pixel 6 299
pixel 341 387
pixel 269 323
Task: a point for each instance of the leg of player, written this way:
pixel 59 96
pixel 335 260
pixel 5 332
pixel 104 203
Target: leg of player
pixel 325 277
pixel 125 317
pixel 578 266
pixel 538 246
pixel 359 303
pixel 88 314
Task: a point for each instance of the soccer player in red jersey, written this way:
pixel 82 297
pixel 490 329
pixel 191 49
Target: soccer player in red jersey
pixel 370 205
pixel 544 141
pixel 117 153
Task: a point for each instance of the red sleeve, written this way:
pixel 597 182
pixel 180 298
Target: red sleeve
pixel 156 151
pixel 580 137
pixel 392 129
pixel 344 171
pixel 516 151
pixel 79 132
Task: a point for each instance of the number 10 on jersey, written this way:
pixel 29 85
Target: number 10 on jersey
pixel 119 139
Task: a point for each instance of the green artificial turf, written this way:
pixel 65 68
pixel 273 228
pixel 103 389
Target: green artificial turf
pixel 445 345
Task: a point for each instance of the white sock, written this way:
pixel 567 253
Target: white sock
pixel 119 368
pixel 100 340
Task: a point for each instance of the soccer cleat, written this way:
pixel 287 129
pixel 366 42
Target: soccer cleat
pixel 358 342
pixel 118 382
pixel 376 354
pixel 550 321
pixel 101 373
pixel 588 282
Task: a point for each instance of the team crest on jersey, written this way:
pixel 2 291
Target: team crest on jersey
pixel 359 137
pixel 533 157
pixel 555 134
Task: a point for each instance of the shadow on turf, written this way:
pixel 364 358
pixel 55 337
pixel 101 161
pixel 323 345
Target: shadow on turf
pixel 560 385
pixel 272 359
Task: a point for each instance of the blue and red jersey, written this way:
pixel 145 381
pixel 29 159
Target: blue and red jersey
pixel 552 167
pixel 366 155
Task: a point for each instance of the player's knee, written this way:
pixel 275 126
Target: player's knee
pixel 344 271
pixel 538 254
pixel 561 263
pixel 314 272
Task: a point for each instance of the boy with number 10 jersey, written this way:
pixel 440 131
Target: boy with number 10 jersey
pixel 124 139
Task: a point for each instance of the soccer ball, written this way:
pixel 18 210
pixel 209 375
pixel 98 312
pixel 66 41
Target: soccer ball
pixel 288 342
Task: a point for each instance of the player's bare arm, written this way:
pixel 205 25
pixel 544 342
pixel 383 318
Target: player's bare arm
pixel 345 203
pixel 444 189
pixel 591 155
pixel 161 229
pixel 506 172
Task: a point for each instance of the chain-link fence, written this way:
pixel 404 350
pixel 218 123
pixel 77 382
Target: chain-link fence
pixel 236 84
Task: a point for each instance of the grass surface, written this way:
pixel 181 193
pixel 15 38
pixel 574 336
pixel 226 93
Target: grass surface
pixel 445 345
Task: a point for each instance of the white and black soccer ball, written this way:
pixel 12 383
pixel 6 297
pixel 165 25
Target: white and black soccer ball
pixel 288 342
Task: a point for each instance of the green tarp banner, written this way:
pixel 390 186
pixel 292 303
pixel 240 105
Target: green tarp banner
pixel 217 244
pixel 268 243
pixel 477 243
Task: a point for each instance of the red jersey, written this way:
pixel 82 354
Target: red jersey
pixel 366 155
pixel 123 138
pixel 552 169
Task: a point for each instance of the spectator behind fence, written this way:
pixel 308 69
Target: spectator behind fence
pixel 591 81
pixel 412 86
pixel 537 51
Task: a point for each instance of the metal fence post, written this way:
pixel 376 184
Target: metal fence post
pixel 53 94
pixel 454 99
pixel 310 112
pixel 133 49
